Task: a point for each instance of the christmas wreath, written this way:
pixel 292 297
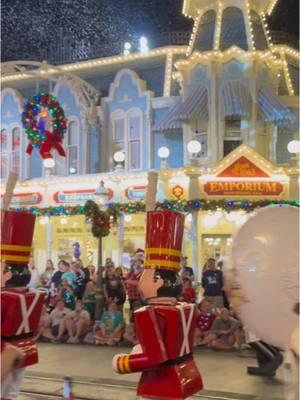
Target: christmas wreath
pixel 45 124
pixel 100 219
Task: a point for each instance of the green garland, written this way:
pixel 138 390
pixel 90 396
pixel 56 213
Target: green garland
pixel 115 209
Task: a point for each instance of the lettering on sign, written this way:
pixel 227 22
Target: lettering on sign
pixel 249 188
pixel 135 193
pixel 25 199
pixel 243 168
pixel 78 196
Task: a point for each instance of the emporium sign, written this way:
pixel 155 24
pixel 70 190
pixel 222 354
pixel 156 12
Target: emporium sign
pixel 240 188
pixel 243 178
pixel 78 196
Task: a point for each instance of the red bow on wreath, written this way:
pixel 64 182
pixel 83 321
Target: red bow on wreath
pixel 52 141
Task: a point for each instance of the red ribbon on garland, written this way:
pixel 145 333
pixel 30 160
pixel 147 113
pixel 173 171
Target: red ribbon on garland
pixel 29 149
pixel 51 141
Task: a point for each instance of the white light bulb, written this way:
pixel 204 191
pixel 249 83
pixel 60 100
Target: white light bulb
pixel 189 217
pixel 127 218
pixel 44 220
pixel 144 45
pixel 49 163
pixel 63 220
pixel 119 156
pixel 163 152
pixel 194 147
pixel 294 147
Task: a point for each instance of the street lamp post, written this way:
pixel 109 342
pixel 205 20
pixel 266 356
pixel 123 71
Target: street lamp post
pixel 101 196
pixel 193 148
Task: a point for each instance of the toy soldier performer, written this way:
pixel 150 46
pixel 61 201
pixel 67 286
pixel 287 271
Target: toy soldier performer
pixel 165 328
pixel 20 307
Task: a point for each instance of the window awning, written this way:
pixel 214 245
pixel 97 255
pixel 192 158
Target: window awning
pixel 167 122
pixel 195 105
pixel 272 110
pixel 235 99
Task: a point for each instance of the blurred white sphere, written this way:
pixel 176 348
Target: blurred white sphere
pixel 194 147
pixel 163 152
pixel 119 156
pixel 49 163
pixel 294 146
pixel 128 218
pixel 262 272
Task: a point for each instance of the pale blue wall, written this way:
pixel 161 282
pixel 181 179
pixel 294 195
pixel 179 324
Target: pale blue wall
pixel 129 87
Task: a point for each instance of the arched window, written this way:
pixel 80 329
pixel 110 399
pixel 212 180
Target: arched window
pixel 259 37
pixel 69 165
pixel 15 150
pixel 4 153
pixel 10 151
pixel 127 136
pixel 206 29
pixel 72 147
pixel 233 31
pixel 134 141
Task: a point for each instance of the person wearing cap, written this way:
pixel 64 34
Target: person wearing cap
pixel 165 328
pixel 21 308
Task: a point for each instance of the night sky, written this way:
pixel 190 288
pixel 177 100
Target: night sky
pixel 32 28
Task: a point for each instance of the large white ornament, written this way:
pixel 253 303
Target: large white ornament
pixel 262 270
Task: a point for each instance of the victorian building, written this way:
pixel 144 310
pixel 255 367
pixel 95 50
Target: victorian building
pixel 230 89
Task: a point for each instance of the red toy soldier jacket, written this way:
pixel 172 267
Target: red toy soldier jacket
pixel 20 314
pixel 166 361
pixel 20 308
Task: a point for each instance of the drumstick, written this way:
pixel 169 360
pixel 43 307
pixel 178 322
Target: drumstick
pixel 10 185
pixel 151 190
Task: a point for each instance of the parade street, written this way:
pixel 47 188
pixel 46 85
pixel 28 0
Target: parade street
pixel 224 375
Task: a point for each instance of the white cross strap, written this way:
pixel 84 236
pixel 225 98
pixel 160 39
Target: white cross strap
pixel 26 312
pixel 186 326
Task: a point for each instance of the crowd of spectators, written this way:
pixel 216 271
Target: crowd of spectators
pixel 69 311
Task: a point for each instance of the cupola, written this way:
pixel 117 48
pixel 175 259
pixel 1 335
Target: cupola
pixel 221 24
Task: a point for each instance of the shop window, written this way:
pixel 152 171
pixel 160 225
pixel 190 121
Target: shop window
pixel 127 132
pixel 69 165
pixel 15 150
pixel 10 151
pixel 134 142
pixel 72 150
pixel 4 154
pixel 119 133
pixel 232 135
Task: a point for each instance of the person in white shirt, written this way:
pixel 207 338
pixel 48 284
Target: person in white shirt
pixel 35 279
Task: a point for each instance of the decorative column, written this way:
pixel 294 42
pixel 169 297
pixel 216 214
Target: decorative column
pixel 194 193
pixel 49 239
pixel 120 239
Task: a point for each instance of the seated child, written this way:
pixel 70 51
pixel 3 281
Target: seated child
pixel 205 320
pixel 188 294
pixel 111 326
pixel 226 330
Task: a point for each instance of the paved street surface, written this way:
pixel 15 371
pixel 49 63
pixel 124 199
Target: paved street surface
pixel 224 375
